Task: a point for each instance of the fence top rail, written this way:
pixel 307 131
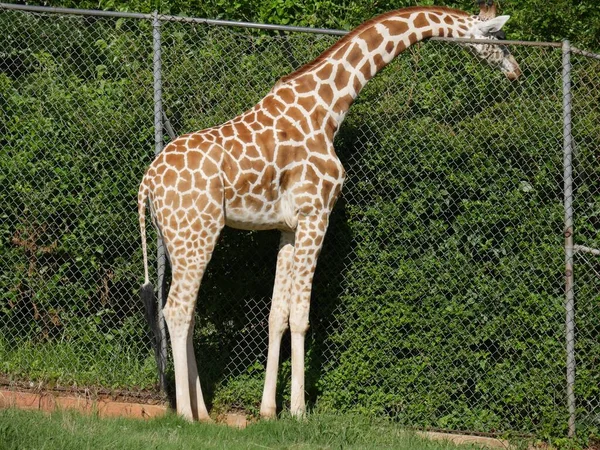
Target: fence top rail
pixel 585 53
pixel 72 11
pixel 168 18
pixel 498 42
pixel 262 26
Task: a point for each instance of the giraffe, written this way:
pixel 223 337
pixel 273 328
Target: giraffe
pixel 275 167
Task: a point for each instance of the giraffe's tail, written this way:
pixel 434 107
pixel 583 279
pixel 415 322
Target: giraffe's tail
pixel 147 291
pixel 142 197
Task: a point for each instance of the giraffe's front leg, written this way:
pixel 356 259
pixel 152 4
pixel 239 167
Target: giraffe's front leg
pixel 278 321
pixel 309 240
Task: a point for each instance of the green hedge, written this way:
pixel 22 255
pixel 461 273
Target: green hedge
pixel 76 126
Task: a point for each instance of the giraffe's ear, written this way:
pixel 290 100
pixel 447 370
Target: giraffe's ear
pixel 492 25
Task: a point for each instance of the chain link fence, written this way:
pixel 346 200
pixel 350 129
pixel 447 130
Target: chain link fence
pixel 439 299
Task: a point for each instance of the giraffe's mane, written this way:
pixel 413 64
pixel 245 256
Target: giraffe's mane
pixel 369 23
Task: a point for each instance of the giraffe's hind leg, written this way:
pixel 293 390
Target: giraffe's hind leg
pixel 278 321
pixel 189 399
pixel 188 264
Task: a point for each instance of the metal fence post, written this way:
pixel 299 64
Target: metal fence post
pixel 569 278
pixel 158 146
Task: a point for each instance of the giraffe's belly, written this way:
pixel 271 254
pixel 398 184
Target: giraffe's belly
pixel 256 215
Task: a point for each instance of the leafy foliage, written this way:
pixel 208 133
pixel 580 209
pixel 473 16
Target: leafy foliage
pixel 76 113
pixel 537 20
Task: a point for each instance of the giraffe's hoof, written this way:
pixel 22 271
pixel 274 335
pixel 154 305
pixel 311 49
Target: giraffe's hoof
pixel 298 414
pixel 205 419
pixel 187 417
pixel 268 413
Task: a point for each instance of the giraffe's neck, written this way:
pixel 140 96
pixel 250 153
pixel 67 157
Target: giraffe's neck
pixel 336 77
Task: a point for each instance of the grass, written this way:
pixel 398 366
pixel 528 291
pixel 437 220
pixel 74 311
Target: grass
pixel 66 430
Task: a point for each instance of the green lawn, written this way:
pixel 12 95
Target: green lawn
pixel 70 430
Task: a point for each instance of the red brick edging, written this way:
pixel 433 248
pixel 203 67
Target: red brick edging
pixel 50 401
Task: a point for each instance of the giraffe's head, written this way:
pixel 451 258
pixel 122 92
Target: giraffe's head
pixel 485 27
